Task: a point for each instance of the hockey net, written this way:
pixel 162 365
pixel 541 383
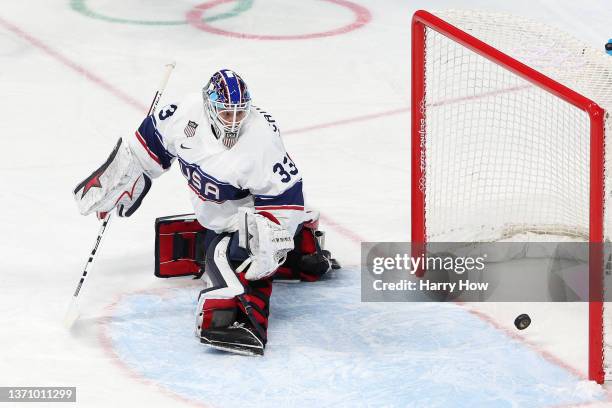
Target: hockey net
pixel 509 125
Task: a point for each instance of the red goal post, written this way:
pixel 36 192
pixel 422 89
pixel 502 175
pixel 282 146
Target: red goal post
pixel 426 211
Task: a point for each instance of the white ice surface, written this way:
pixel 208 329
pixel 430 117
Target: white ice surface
pixel 133 348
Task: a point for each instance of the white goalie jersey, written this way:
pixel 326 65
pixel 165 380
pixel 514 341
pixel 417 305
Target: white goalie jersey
pixel 256 172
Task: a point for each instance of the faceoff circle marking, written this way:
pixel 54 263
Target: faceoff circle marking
pixel 362 17
pixel 80 6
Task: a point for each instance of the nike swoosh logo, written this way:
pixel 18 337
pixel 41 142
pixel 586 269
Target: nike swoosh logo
pixel 185 147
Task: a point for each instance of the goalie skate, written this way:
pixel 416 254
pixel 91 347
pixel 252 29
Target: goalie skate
pixel 237 339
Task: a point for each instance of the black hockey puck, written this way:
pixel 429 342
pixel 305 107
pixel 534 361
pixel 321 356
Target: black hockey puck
pixel 522 321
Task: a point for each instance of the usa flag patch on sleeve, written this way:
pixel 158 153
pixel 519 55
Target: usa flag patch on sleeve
pixel 190 129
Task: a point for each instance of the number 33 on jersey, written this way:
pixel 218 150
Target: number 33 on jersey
pixel 255 171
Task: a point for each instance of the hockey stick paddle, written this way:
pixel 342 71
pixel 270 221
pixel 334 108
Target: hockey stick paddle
pixel 72 314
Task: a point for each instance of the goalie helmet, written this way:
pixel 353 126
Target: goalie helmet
pixel 227 103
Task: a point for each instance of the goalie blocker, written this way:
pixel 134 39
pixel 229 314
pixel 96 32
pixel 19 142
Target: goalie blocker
pixel 181 243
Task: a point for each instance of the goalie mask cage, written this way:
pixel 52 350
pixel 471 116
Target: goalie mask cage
pixel 509 125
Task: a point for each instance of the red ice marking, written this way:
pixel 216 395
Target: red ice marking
pixel 339 228
pixel 81 70
pixel 347 121
pixel 107 345
pixel 370 116
pixel 362 17
pixel 509 332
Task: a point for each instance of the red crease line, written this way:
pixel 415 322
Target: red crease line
pixel 79 69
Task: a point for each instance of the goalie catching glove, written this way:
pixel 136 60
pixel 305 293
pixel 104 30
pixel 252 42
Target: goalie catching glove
pixel 266 241
pixel 119 183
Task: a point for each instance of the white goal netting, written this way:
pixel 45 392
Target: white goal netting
pixel 504 157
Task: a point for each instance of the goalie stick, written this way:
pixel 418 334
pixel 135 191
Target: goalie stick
pixel 72 314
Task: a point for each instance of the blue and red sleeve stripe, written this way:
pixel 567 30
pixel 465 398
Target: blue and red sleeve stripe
pixel 152 141
pixel 291 199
